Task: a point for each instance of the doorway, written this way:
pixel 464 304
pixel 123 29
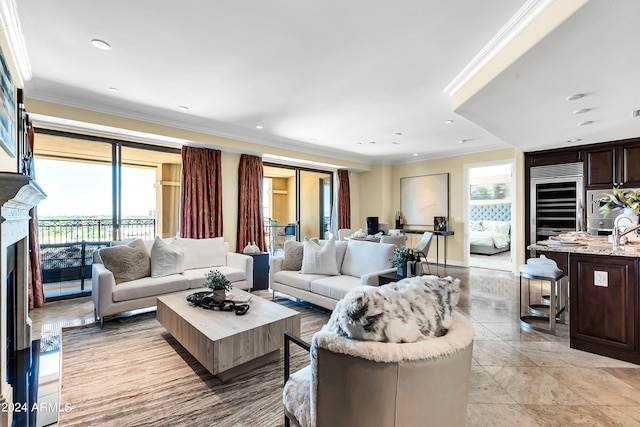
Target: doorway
pixel 490 215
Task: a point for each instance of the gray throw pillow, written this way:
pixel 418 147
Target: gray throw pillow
pixel 293 252
pixel 127 262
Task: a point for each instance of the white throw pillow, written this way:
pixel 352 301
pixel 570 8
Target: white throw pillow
pixel 203 253
pixel 320 259
pixel 166 258
pixel 366 257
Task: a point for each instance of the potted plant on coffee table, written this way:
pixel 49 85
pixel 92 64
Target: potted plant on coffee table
pixel 219 284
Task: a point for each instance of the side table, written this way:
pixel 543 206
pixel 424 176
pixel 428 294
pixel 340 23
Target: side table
pixel 392 277
pixel 260 271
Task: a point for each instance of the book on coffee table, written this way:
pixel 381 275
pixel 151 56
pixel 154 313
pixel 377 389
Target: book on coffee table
pixel 241 299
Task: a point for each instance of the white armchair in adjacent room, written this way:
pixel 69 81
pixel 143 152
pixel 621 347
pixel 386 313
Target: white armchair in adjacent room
pixel 399 240
pixel 422 248
pixel 343 233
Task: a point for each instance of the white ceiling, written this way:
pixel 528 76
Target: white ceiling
pixel 323 76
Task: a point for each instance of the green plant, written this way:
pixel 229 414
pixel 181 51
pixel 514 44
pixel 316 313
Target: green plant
pixel 401 256
pixel 619 199
pixel 217 281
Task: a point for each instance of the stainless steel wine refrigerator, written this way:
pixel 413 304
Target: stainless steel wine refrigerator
pixel 556 200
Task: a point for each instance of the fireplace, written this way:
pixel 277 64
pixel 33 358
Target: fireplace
pixel 18 194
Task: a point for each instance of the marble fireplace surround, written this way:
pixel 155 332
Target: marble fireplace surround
pixel 18 194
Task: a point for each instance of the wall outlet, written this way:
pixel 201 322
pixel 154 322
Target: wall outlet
pixel 601 278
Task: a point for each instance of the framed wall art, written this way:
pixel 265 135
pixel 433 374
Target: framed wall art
pixel 7 109
pixel 424 197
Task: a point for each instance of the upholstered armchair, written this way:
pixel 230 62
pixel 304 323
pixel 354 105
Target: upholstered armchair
pixel 365 383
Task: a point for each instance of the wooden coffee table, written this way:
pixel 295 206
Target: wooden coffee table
pixel 224 343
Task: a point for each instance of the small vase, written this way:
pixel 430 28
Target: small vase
pixel 219 295
pixel 628 218
pixel 402 270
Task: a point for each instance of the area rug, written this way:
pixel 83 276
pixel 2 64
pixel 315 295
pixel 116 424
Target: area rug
pixel 133 373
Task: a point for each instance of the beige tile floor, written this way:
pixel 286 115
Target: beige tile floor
pixel 519 377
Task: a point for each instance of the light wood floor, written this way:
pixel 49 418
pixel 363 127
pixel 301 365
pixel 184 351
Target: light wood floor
pixel 519 377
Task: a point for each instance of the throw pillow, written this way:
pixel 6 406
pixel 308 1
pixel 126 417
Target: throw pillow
pixel 203 253
pixel 320 259
pixel 127 262
pixel 293 251
pixel 410 310
pixel 166 258
pixel 366 257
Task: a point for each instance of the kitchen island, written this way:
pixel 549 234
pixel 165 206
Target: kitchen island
pixel 604 299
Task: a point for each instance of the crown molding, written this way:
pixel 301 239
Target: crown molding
pixel 13 32
pixel 518 22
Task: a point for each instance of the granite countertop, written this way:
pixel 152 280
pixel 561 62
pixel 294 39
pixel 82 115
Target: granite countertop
pixel 582 243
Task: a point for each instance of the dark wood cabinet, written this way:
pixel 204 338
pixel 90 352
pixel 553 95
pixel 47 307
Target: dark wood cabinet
pixel 600 168
pixel 604 316
pixel 629 158
pixel 553 157
pixel 613 165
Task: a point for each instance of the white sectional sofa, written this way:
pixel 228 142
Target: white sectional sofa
pixel 144 269
pixel 358 263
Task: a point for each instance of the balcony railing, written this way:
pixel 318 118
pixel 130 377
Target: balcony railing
pixel 67 245
pixel 93 229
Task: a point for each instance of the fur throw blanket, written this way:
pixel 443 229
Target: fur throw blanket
pixel 410 310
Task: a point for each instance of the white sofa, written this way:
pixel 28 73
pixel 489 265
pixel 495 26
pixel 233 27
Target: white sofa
pixel 195 258
pixel 358 262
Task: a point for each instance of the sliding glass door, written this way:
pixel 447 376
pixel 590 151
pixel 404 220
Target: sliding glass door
pixel 296 203
pixel 99 190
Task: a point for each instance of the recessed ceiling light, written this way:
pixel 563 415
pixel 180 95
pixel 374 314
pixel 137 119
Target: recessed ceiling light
pixel 448 122
pixel 259 127
pixel 395 143
pixel 588 122
pixel 100 44
pixel 183 108
pixel 397 133
pixel 574 140
pixel 635 113
pixel 574 97
pixel 415 154
pixel 462 141
pixel 582 111
pixel 313 140
pixel 372 142
pixel 113 89
pixel 358 143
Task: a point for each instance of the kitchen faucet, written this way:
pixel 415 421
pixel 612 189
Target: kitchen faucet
pixel 617 234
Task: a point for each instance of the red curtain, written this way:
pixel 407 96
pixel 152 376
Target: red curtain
pixel 344 199
pixel 201 195
pixel 250 220
pixel 36 291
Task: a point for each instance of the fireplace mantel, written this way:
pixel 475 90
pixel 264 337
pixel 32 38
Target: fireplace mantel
pixel 18 194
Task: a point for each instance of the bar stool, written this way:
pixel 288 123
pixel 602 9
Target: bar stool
pixel 544 269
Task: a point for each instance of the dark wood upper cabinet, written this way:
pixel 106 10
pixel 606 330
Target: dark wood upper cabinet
pixel 615 165
pixel 600 168
pixel 630 160
pixel 553 157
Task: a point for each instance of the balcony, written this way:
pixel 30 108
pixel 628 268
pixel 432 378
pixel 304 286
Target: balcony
pixel 67 246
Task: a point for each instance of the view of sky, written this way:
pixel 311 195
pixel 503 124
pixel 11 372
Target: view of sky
pixel 83 189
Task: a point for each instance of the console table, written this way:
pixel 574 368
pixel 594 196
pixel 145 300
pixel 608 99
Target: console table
pixel 444 234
